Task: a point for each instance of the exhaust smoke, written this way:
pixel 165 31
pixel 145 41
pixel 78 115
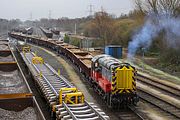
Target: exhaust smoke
pixel 155 24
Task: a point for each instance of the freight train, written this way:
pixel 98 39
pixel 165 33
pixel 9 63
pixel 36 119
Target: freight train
pixel 24 30
pixel 55 31
pixel 29 31
pixel 48 33
pixel 114 80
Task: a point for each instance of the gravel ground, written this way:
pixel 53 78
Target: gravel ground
pixel 26 114
pixel 6 59
pixel 11 82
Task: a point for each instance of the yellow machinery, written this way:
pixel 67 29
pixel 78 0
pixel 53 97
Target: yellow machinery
pixel 37 60
pixel 26 49
pixel 71 95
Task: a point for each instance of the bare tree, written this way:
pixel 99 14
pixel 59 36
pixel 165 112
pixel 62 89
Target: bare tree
pixel 158 6
pixel 103 23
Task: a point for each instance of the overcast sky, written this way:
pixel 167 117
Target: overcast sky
pixel 22 9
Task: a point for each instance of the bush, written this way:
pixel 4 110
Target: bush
pixel 75 42
pixel 66 38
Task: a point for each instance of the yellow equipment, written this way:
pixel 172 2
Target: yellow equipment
pixel 37 60
pixel 26 49
pixel 73 97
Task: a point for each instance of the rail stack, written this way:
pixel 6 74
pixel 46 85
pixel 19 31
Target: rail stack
pixel 16 98
pixel 65 100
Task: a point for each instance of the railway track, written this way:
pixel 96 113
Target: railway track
pixel 154 86
pixel 170 110
pixel 50 84
pixel 88 111
pixel 167 100
pixel 164 87
pixel 54 97
pixel 130 113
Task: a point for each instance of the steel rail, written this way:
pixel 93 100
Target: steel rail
pixel 69 111
pixel 157 105
pixel 62 78
pixel 95 111
pixel 46 80
pixel 132 108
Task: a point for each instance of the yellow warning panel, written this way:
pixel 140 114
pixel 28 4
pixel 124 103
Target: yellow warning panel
pixel 124 78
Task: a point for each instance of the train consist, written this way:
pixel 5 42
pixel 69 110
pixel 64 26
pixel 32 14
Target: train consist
pixel 28 30
pixel 115 81
pixel 16 98
pixel 55 31
pixel 64 99
pixel 48 33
